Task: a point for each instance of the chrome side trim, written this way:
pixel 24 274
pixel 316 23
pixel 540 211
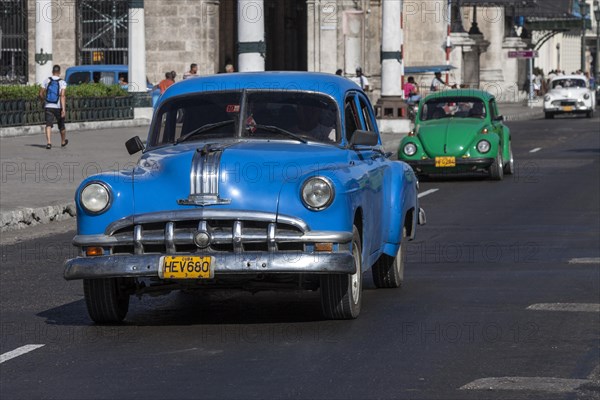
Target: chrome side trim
pixel 201 213
pixel 224 264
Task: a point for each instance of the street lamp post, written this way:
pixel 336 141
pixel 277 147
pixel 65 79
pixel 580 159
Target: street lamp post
pixel 597 60
pixel 582 11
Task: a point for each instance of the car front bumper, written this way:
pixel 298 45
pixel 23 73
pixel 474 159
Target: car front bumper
pixel 462 165
pixel 574 108
pixel 148 265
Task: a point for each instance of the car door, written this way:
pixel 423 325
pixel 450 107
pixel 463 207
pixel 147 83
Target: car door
pixel 369 162
pixel 497 126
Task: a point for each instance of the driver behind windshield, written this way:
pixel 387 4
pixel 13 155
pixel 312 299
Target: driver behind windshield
pixel 316 121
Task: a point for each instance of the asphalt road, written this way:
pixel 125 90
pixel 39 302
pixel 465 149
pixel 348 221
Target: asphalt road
pixel 501 301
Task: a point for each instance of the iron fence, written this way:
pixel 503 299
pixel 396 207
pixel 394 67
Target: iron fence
pixel 102 36
pixel 13 41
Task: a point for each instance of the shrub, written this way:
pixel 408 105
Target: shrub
pixel 31 92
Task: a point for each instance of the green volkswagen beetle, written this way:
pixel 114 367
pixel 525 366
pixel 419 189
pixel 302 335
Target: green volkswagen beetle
pixel 458 131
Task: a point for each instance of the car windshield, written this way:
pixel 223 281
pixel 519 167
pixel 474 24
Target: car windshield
pixel 568 83
pixel 453 107
pixel 268 114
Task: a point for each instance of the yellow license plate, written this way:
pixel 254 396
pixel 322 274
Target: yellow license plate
pixel 186 267
pixel 568 108
pixel 442 162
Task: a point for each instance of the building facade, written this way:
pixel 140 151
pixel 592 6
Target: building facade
pixel 313 35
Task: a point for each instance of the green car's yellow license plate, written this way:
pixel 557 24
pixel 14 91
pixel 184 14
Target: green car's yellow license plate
pixel 186 267
pixel 443 162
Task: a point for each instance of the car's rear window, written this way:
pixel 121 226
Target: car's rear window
pixel 453 107
pixel 77 78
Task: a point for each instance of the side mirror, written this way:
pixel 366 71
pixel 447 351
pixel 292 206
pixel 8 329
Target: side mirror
pixel 364 138
pixel 499 118
pixel 134 145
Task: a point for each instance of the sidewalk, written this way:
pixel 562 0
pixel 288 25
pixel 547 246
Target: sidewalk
pixel 37 185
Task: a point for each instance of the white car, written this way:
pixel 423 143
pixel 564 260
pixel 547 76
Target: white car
pixel 569 94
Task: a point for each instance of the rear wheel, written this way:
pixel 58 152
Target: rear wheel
pixel 496 170
pixel 388 272
pixel 107 300
pixel 341 294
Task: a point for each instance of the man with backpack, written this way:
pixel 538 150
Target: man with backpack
pixel 52 93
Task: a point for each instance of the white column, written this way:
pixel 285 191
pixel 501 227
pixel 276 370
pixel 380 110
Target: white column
pixel 251 35
pixel 137 47
pixel 392 68
pixel 43 40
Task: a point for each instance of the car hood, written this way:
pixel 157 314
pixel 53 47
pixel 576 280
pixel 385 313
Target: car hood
pixel 449 136
pixel 241 175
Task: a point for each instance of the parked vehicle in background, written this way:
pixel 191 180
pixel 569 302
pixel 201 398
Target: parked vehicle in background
pixel 254 181
pixel 569 94
pixel 106 74
pixel 458 131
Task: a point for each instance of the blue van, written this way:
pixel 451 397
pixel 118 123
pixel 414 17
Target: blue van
pixel 107 74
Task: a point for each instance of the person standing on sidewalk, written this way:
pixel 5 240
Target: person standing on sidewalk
pixel 53 94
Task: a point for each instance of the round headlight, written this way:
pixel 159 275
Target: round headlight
pixel 95 197
pixel 317 193
pixel 483 146
pixel 586 96
pixel 410 149
pixel 547 97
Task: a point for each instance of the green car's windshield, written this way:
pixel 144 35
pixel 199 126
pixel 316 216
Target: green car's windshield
pixel 266 114
pixel 453 107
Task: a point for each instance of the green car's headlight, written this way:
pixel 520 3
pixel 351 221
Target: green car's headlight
pixel 95 197
pixel 483 146
pixel 410 149
pixel 317 193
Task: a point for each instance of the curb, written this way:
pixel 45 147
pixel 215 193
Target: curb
pixel 14 131
pixel 25 217
pixel 533 114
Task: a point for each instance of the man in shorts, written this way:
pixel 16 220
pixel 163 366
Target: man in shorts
pixel 52 93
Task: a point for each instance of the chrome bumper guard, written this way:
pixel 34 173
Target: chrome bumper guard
pixel 225 264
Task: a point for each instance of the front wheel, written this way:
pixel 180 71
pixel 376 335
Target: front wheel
pixel 107 300
pixel 590 114
pixel 509 167
pixel 549 115
pixel 341 295
pixel 496 170
pixel 388 272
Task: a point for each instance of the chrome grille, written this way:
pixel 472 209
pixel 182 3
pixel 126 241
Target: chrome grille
pixel 230 236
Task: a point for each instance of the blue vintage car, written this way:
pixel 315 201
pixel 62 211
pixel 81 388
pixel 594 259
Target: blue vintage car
pixel 250 181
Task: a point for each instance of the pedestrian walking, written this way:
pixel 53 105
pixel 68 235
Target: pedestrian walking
pixel 53 94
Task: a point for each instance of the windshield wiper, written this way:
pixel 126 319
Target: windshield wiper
pixel 203 128
pixel 276 129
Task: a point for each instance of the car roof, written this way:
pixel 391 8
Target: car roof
pixel 329 84
pixel 482 94
pixel 569 77
pixel 101 68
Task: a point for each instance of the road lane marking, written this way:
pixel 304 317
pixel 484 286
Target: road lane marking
pixel 585 260
pixel 425 193
pixel 541 384
pixel 570 307
pixel 535 150
pixel 19 352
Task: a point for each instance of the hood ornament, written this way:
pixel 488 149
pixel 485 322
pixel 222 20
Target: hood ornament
pixel 204 178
